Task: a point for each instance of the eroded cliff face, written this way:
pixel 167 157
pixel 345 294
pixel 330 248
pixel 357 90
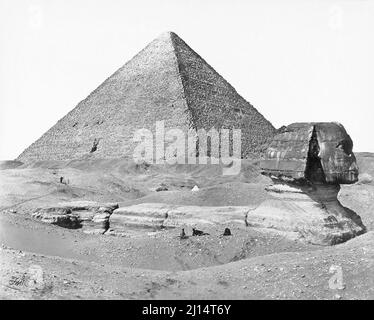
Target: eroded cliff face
pixel 306 163
pixel 91 217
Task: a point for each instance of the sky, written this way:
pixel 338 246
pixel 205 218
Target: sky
pixel 295 61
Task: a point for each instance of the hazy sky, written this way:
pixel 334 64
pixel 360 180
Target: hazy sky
pixel 293 60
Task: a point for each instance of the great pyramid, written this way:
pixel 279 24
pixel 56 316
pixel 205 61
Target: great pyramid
pixel 167 81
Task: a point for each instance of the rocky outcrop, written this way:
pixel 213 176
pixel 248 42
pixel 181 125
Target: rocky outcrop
pixel 59 215
pixel 161 215
pixel 138 216
pixel 91 217
pixel 313 215
pixel 313 212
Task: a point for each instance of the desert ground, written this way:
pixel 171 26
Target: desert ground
pixel 144 261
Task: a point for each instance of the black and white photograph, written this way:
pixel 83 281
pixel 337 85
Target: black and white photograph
pixel 186 150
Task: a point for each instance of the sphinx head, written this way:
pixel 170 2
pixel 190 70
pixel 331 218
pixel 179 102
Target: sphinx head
pixel 314 152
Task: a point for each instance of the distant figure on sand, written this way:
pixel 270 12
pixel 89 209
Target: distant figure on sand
pixel 227 232
pixel 183 235
pixel 196 232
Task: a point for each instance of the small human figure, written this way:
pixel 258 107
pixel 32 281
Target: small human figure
pixel 196 232
pixel 183 234
pixel 94 146
pixel 227 232
pixel 61 179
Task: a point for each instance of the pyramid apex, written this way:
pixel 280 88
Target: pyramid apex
pixel 168 34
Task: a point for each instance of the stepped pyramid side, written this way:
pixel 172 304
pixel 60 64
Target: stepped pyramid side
pixel 213 102
pixel 146 89
pixel 167 81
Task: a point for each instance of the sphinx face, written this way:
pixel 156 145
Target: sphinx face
pixel 338 160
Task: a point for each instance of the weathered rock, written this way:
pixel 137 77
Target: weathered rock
pixel 159 215
pixel 144 215
pixel 92 217
pixel 196 215
pixel 314 215
pixel 60 216
pixel 314 212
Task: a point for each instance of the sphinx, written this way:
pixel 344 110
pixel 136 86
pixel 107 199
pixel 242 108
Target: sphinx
pixel 307 163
